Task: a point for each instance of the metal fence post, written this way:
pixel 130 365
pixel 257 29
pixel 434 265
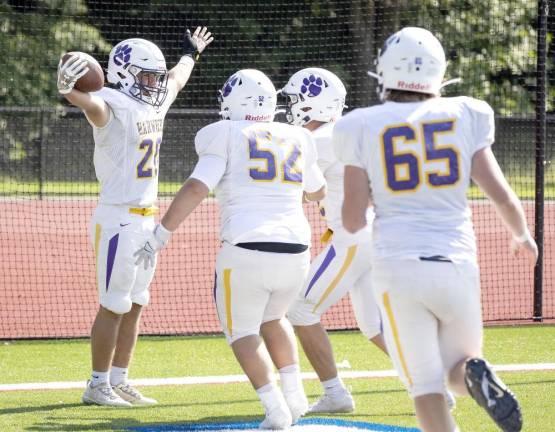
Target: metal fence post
pixel 540 126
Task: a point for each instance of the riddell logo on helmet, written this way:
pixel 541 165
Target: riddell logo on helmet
pixel 402 85
pixel 257 117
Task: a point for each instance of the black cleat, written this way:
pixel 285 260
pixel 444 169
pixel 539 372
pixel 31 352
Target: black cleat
pixel 492 395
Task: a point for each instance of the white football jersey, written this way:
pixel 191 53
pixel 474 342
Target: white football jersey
pixel 418 157
pixel 127 149
pixel 268 165
pixel 330 206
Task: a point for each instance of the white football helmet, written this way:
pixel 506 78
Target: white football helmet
pixel 314 94
pixel 248 95
pixel 137 67
pixel 411 60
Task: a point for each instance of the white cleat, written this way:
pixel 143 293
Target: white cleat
pixel 102 394
pixel 297 403
pixel 450 400
pixel 341 402
pixel 132 395
pixel 277 418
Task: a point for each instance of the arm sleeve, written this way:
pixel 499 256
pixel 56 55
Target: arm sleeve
pixel 213 139
pixel 326 157
pixel 483 124
pixel 209 170
pixel 171 96
pixel 313 177
pixel 346 144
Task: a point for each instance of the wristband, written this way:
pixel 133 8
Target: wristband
pixel 523 238
pixel 187 60
pixel 162 233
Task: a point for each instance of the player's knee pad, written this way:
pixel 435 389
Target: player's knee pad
pixel 370 331
pixel 424 387
pixel 236 335
pixel 141 298
pixel 301 313
pixel 117 304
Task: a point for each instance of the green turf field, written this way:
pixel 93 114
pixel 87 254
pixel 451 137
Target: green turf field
pixel 379 400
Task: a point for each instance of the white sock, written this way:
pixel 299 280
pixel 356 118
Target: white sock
pixel 118 375
pixel 99 377
pixel 333 386
pixel 269 395
pixel 290 377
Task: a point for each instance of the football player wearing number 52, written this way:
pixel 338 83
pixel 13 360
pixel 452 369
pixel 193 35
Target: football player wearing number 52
pixel 415 155
pixel 127 120
pixel 260 170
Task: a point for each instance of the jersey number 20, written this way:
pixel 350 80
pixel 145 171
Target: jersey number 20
pixel 403 169
pixel 152 151
pixel 260 148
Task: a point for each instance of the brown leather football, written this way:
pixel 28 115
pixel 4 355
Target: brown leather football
pixel 93 80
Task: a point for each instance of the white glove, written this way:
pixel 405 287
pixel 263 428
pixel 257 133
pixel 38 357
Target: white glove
pixel 158 239
pixel 69 72
pixel 526 243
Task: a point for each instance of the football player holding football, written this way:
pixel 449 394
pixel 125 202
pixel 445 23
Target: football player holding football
pixel 127 119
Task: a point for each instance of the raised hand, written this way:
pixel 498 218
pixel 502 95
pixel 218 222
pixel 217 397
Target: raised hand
pixel 70 71
pixel 195 44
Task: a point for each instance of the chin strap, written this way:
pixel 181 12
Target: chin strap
pixel 451 81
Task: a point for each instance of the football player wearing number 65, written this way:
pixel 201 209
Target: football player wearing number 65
pixel 259 170
pixel 415 155
pixel 127 120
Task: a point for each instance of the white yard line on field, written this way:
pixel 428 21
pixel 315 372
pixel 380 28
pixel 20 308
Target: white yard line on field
pixel 223 379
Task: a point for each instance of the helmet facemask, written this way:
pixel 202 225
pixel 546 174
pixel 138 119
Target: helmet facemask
pixel 291 100
pixel 150 86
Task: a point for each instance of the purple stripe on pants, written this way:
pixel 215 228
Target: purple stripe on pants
pixel 327 260
pixel 215 285
pixel 112 247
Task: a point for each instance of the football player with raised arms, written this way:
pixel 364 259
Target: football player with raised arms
pixel 127 120
pixel 315 101
pixel 259 170
pixel 415 156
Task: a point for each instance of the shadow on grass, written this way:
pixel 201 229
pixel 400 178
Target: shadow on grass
pixel 131 424
pixel 27 409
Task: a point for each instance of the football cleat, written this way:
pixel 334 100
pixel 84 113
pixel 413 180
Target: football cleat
pixel 341 402
pixel 102 394
pixel 492 395
pixel 297 403
pixel 277 417
pixel 132 395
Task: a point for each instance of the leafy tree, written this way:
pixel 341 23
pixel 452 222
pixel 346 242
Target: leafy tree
pixel 33 35
pixel 490 44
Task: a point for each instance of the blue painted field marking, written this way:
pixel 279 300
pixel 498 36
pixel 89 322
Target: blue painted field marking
pixel 238 426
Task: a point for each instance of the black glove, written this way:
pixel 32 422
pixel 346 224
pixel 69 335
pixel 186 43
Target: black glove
pixel 190 46
pixel 194 44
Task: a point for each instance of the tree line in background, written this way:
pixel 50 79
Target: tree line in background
pixel 490 44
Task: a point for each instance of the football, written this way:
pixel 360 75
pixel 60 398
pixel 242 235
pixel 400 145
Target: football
pixel 93 80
